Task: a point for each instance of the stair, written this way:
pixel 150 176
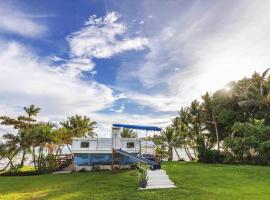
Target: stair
pixel 158 179
pixel 152 164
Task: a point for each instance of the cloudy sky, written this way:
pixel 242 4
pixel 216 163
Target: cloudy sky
pixel 125 62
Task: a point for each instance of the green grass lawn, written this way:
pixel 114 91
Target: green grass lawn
pixel 193 180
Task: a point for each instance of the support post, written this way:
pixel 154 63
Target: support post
pixel 112 166
pixel 120 162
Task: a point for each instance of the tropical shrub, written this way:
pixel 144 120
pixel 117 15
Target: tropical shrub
pixel 210 156
pixel 142 177
pixel 250 142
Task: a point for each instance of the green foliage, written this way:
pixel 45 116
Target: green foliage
pixel 161 152
pixel 36 138
pixel 128 133
pixel 234 121
pixel 210 156
pixel 250 142
pixel 80 126
pixel 167 142
pixel 142 177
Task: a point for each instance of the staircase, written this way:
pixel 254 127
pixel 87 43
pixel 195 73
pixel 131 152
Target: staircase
pixel 152 164
pixel 158 179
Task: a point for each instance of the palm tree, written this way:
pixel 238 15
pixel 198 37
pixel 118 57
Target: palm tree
pixel 128 133
pixel 31 111
pixel 21 142
pixel 8 152
pixel 23 124
pixel 62 137
pixel 181 126
pixel 170 139
pixel 80 126
pixel 257 93
pixel 210 119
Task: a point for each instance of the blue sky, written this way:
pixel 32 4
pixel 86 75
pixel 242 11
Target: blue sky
pixel 125 61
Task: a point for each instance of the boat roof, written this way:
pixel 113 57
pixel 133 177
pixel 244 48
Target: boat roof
pixel 138 127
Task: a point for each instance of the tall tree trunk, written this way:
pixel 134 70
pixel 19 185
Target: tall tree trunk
pixel 23 158
pixel 177 153
pixel 34 157
pixel 194 152
pixel 170 154
pixel 217 135
pixel 191 157
pixel 187 152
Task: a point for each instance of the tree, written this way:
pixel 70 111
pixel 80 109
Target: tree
pixel 128 133
pixel 181 124
pixel 40 136
pixel 80 126
pixel 169 139
pixel 250 142
pixel 62 137
pixel 8 152
pixel 22 124
pixel 210 119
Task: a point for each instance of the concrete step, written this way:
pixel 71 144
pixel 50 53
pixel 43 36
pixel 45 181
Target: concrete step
pixel 160 182
pixel 158 187
pixel 158 176
pixel 158 179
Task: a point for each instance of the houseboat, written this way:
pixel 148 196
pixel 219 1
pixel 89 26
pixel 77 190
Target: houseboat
pixel 114 152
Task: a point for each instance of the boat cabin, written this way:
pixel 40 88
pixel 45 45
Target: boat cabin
pixel 103 153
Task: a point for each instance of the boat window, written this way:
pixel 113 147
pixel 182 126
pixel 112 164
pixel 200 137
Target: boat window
pixel 84 144
pixel 130 145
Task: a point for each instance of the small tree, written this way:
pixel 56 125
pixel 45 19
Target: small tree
pixel 23 124
pixel 128 133
pixel 80 126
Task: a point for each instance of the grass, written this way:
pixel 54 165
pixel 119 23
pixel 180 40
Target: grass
pixel 193 180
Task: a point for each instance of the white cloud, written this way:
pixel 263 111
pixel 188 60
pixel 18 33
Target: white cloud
pixel 209 46
pixel 25 79
pixel 103 38
pixel 18 22
pixel 100 38
pixel 121 109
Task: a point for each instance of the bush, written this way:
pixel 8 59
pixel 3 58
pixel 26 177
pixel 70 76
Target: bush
pixel 210 156
pixel 142 175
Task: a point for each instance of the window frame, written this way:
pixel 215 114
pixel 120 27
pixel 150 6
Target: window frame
pixel 85 147
pixel 132 145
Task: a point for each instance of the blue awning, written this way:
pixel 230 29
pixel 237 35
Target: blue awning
pixel 138 127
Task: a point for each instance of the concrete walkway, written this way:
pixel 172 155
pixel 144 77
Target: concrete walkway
pixel 158 179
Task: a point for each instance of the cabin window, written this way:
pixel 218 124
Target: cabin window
pixel 130 145
pixel 84 144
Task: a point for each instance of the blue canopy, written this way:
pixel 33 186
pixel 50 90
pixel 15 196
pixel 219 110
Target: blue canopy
pixel 138 127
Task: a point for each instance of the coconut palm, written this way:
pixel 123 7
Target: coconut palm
pixel 128 133
pixel 8 152
pixel 210 119
pixel 62 137
pixel 80 126
pixel 258 92
pixel 171 140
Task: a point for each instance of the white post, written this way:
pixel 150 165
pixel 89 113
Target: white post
pixel 116 138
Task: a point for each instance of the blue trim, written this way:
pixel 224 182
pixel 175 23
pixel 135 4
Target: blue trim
pixel 84 159
pixel 138 127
